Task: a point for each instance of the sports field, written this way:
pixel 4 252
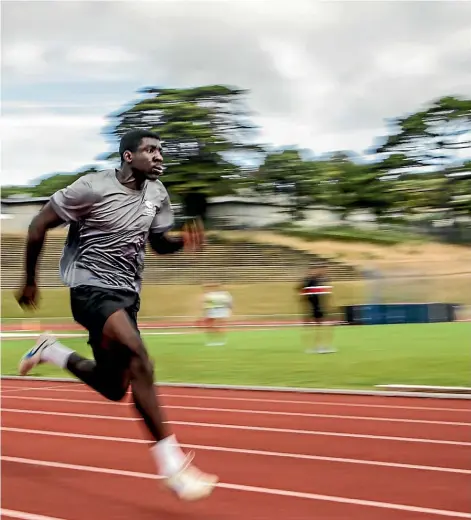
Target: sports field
pixel 424 354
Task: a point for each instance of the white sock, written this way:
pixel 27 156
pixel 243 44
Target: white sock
pixel 168 456
pixel 57 354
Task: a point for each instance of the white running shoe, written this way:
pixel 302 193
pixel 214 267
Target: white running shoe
pixel 190 483
pixel 32 358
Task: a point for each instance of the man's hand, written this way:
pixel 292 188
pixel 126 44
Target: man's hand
pixel 193 234
pixel 28 296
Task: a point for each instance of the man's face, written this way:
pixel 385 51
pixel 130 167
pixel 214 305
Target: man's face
pixel 147 159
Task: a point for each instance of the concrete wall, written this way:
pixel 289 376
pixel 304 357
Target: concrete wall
pixel 320 217
pixel 246 214
pixel 228 211
pixel 17 217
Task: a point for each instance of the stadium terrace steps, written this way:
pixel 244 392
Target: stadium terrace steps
pixel 229 262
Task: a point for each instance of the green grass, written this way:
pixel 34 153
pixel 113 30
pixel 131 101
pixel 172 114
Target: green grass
pixel 429 354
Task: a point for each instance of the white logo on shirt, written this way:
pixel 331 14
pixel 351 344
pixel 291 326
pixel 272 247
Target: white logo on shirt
pixel 150 208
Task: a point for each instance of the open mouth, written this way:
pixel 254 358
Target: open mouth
pixel 158 170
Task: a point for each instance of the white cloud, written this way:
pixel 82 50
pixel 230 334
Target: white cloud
pixel 35 145
pixel 289 59
pixel 27 58
pixel 323 75
pixel 99 55
pixel 19 106
pixel 49 121
pixel 401 60
pixel 276 131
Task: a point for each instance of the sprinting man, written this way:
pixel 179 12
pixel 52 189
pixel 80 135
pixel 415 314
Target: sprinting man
pixel 217 305
pixel 314 290
pixel 112 215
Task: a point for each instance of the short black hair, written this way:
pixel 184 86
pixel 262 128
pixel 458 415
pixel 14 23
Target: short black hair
pixel 132 139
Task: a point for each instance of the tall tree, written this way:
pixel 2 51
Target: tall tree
pixel 431 137
pixel 204 129
pixel 354 185
pixel 459 189
pixel 285 172
pixel 424 145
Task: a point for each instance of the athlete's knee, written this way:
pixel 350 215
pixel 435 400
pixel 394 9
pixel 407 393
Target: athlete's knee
pixel 115 392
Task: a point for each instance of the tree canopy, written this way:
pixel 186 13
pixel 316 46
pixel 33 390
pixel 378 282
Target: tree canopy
pixel 202 129
pixel 207 132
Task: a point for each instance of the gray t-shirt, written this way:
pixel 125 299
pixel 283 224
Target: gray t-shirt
pixel 109 228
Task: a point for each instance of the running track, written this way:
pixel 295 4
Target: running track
pixel 69 454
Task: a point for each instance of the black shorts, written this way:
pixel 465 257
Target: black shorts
pixel 92 306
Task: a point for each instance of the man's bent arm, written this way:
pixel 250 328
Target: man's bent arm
pixel 163 244
pixel 46 219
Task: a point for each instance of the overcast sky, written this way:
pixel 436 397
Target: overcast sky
pixel 322 75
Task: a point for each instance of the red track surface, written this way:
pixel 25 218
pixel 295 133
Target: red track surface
pixel 313 456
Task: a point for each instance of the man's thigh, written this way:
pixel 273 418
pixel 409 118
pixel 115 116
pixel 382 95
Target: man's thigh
pixel 94 308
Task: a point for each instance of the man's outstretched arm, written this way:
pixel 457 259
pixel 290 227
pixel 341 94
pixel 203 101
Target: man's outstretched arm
pixel 68 205
pixel 46 219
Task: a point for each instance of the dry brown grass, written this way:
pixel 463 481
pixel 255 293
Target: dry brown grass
pixel 421 258
pixel 427 258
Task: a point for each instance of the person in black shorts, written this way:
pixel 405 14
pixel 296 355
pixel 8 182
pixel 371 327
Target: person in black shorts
pixel 314 291
pixel 113 215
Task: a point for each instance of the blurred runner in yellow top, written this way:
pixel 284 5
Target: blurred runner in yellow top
pixel 217 304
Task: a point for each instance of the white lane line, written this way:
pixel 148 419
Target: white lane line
pixel 10 513
pixel 283 390
pixel 72 401
pixel 260 412
pixel 315 403
pixel 225 449
pixel 322 433
pixel 248 428
pixel 66 414
pixel 18 336
pixel 15 389
pixel 319 415
pixel 250 489
pixel 278 401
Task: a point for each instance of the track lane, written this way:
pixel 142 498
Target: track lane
pixel 430 489
pixel 340 399
pixel 340 477
pixel 109 497
pixel 282 407
pixel 336 424
pixel 375 449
